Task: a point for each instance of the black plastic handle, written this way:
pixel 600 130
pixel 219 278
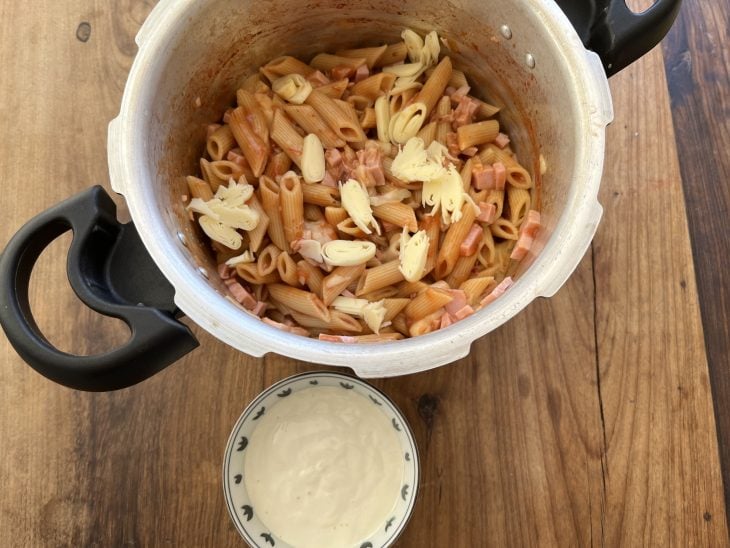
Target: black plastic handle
pixel 111 272
pixel 618 35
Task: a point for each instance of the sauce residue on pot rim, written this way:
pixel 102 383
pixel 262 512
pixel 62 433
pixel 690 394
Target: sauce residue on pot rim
pixel 323 468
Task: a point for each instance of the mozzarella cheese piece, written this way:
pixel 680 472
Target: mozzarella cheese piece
pixel 246 257
pixel 372 313
pixel 215 230
pixel 226 212
pixel 347 252
pixel 356 202
pixel 406 123
pixel 293 88
pixel 313 165
pixel 413 254
pixel 414 163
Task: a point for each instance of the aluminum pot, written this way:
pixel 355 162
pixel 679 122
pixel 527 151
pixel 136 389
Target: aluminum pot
pixel 525 54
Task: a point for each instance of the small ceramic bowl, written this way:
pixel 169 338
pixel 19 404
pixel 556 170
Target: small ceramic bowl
pixel 240 507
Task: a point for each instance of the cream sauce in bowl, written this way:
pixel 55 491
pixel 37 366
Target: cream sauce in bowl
pixel 321 460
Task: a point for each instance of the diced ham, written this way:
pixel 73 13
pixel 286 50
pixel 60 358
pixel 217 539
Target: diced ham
pixel 317 78
pixel 458 94
pixel 452 142
pixel 502 140
pixel 465 111
pixel 446 321
pixel 498 291
pixel 288 328
pixel 528 230
pixel 371 160
pixel 211 129
pixel 341 71
pixel 227 115
pixel 361 73
pixel 487 212
pixel 500 175
pixel 321 231
pixel 458 301
pixel 470 244
pixel 241 295
pixel 482 177
pixel 329 180
pixel 335 166
pixel 224 271
pixel 464 312
pixel 260 308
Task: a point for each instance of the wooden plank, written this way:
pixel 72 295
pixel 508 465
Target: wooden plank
pixel 663 483
pixel 511 438
pixel 698 86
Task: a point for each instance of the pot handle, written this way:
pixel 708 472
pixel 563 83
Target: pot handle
pixel 616 33
pixel 111 272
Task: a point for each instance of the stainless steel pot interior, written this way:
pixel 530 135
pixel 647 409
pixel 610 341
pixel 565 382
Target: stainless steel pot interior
pixel 212 46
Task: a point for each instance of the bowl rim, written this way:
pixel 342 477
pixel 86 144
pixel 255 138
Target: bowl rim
pixel 405 434
pixel 225 320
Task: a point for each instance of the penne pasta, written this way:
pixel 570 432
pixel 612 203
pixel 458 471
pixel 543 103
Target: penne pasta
pixel 311 276
pixel 299 300
pixel 371 55
pixel 249 272
pixel 398 214
pixel 198 188
pixel 379 277
pixel 503 228
pixel 477 133
pixel 393 307
pixel 434 87
pixel 256 236
pixel 519 204
pixel 462 270
pixel 254 149
pixel 326 62
pixel 259 121
pixel 338 119
pixel 335 215
pixel 220 143
pixel 475 288
pixel 449 251
pixel 292 206
pixel 320 195
pixel 308 119
pixel 341 277
pixel 284 135
pixel 334 90
pixel 339 321
pixel 281 66
pixel 374 86
pixel 267 260
pixel 427 302
pixel 394 53
pixel 287 269
pixel 271 202
pixel 367 119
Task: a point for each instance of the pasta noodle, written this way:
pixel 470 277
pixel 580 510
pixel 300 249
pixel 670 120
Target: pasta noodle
pixel 364 197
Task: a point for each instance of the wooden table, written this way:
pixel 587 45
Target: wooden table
pixel 595 428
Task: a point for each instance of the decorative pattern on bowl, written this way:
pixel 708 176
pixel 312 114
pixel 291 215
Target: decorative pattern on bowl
pixel 240 507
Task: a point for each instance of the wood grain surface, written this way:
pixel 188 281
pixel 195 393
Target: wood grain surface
pixel 697 62
pixel 587 420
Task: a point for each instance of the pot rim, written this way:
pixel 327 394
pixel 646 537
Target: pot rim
pixel 194 295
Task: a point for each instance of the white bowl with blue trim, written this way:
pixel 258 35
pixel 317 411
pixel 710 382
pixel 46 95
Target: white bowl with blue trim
pixel 242 509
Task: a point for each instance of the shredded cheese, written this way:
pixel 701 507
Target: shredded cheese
pixel 356 202
pixel 406 123
pixel 246 257
pixel 373 313
pixel 348 252
pixel 226 212
pixel 413 254
pixel 414 163
pixel 293 88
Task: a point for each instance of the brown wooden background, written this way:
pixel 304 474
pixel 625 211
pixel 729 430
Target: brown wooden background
pixel 594 428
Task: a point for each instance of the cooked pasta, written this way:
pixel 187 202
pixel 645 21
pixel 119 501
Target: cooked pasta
pixel 365 196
